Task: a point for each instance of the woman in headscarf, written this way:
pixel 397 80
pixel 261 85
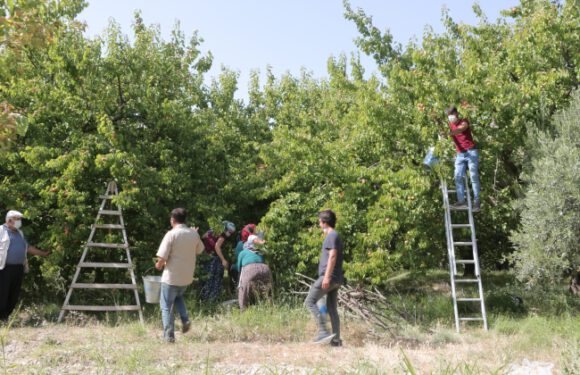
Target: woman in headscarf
pixel 243 237
pixel 213 244
pixel 255 275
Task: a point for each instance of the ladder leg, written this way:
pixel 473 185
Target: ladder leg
pixel 450 252
pixel 452 256
pixel 131 270
pixel 70 290
pixel 76 276
pixel 135 291
pixel 475 253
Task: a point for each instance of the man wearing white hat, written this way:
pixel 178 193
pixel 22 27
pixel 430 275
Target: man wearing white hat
pixel 13 262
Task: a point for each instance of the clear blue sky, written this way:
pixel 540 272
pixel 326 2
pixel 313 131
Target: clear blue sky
pixel 245 35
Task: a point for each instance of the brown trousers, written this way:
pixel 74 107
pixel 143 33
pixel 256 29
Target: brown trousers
pixel 255 281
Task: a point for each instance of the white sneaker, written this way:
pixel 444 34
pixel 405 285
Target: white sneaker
pixel 324 338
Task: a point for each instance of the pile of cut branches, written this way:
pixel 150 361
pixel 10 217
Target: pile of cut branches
pixel 369 305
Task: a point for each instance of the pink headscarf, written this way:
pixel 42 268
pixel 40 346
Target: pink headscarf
pixel 246 232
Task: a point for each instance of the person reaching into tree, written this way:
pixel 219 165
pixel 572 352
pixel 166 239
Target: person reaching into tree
pixel 253 240
pixel 234 270
pixel 467 157
pixel 255 275
pixel 215 268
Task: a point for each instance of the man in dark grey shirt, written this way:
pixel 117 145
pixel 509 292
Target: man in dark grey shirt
pixel 330 277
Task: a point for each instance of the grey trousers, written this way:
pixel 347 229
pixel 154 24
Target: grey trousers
pixel 316 292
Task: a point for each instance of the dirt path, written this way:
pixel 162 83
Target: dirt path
pixel 131 349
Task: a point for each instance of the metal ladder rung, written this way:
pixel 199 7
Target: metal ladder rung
pixel 459 208
pixel 460 226
pixel 465 261
pixel 103 286
pixel 107 196
pixel 110 212
pixel 466 280
pixel 104 265
pixel 470 319
pixel 108 226
pixel 108 245
pixel 463 243
pixel 101 308
pixel 468 299
pixel 451 191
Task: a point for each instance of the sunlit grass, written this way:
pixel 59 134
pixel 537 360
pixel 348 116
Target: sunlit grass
pixel 221 335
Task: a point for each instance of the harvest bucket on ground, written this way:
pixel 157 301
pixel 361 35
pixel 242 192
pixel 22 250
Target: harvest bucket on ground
pixel 152 287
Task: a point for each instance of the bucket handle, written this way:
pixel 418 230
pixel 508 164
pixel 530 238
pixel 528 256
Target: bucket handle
pixel 147 271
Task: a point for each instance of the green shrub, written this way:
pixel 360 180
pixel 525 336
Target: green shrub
pixel 547 242
pixel 571 358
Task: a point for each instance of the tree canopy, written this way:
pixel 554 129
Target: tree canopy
pixel 79 111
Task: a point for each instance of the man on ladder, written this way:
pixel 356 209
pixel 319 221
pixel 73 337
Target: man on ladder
pixel 462 285
pixel 467 156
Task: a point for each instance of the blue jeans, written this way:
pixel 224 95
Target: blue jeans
pixel 172 297
pixel 469 159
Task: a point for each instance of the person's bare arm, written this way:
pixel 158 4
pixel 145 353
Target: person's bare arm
pixel 259 241
pixel 463 126
pixel 164 251
pixel 36 251
pixel 332 256
pixel 199 247
pixel 218 251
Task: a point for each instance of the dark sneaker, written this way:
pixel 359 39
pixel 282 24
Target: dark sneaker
pixel 476 207
pixel 324 338
pixel 336 343
pixel 170 340
pixel 185 326
pixel 458 206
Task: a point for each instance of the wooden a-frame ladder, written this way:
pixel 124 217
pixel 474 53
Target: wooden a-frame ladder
pixel 110 193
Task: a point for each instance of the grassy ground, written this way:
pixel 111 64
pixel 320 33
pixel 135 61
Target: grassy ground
pixel 273 339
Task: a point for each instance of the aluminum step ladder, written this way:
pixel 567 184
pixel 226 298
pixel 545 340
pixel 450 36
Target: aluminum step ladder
pixel 452 245
pixel 106 209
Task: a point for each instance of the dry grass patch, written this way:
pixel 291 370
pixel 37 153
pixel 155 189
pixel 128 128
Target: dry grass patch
pixel 224 348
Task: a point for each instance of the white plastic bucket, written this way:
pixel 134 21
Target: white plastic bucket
pixel 430 159
pixel 152 286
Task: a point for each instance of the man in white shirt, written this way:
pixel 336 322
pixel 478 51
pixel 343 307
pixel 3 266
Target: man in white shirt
pixel 177 256
pixel 13 262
